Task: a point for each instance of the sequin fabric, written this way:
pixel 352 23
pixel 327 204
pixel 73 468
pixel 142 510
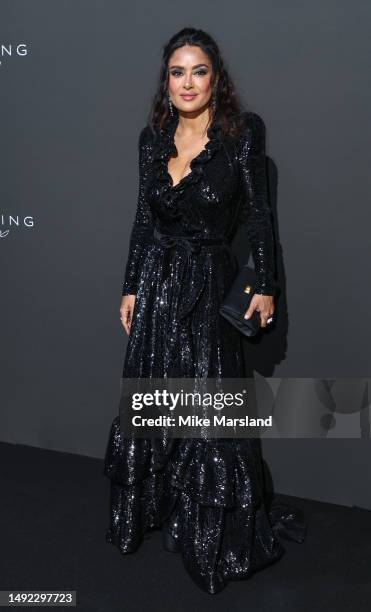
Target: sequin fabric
pixel 208 494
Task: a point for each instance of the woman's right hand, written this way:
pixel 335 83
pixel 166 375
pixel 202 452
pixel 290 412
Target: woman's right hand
pixel 126 311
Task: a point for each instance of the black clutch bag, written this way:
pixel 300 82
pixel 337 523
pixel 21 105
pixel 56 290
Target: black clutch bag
pixel 238 300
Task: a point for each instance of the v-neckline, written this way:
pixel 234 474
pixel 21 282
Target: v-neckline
pixel 191 163
pixel 174 150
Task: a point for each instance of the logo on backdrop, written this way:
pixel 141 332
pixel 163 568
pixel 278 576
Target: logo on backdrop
pixel 10 50
pixel 9 223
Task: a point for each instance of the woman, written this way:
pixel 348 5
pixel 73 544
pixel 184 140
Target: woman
pixel 199 155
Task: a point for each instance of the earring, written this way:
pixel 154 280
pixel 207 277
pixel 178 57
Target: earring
pixel 171 110
pixel 213 99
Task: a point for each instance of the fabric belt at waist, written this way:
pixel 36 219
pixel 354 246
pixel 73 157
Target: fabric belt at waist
pixel 192 244
pixel 193 281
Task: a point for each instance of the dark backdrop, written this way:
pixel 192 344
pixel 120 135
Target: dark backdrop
pixel 75 92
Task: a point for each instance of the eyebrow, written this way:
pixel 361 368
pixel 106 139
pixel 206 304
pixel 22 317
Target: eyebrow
pixel 196 66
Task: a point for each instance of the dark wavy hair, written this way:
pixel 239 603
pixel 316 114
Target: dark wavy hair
pixel 228 110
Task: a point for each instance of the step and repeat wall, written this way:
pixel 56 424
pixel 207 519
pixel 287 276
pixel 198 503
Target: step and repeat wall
pixel 76 82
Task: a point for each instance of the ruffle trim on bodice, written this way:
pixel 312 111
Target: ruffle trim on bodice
pixel 164 148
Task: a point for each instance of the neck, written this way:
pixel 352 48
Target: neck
pixel 193 124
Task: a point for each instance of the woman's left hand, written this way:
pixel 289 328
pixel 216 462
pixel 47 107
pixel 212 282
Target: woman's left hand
pixel 264 304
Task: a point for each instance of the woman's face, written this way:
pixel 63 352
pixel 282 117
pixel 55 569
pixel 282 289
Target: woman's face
pixel 189 79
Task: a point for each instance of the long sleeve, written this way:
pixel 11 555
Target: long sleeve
pixel 255 208
pixel 142 230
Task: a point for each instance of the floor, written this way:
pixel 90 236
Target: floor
pixel 54 515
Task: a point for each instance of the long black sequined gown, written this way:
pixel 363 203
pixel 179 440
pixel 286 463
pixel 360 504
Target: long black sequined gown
pixel 208 494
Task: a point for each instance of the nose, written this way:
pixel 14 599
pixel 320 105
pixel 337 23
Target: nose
pixel 188 82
